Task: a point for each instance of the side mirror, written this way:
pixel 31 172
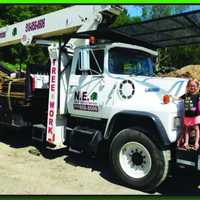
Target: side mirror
pixel 85 60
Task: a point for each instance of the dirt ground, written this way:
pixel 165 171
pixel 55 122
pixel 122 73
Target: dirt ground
pixel 26 168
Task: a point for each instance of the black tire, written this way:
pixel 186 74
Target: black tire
pixel 131 150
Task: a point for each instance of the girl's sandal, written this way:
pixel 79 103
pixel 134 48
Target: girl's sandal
pixel 182 148
pixel 196 148
pixel 186 147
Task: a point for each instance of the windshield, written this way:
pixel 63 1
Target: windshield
pixel 130 62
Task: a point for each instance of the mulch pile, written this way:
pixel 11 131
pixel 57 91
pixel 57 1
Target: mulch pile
pixel 189 71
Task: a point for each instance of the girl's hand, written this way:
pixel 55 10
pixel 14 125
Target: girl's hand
pixel 174 97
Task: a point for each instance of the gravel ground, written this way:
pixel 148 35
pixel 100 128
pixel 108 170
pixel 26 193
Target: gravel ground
pixel 28 169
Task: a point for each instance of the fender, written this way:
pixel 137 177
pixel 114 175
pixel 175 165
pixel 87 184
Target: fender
pixel 140 117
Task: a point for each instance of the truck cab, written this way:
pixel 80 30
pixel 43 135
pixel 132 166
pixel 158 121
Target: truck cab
pixel 112 95
pixel 109 79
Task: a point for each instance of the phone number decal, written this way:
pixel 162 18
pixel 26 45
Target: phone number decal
pixel 86 107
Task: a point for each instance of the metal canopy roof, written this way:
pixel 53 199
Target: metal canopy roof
pixel 181 29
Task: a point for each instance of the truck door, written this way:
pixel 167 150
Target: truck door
pixel 87 87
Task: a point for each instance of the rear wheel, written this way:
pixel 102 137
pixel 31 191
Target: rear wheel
pixel 137 161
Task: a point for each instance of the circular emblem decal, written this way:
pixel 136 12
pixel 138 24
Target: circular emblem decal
pixel 126 89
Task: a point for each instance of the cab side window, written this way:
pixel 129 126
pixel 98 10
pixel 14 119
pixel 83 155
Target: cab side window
pixel 96 62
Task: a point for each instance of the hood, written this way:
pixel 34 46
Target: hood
pixel 165 85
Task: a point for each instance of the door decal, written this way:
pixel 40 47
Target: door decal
pixel 126 89
pixel 85 102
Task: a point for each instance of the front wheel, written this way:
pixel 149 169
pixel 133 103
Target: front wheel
pixel 137 161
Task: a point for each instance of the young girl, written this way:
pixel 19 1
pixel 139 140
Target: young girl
pixel 192 114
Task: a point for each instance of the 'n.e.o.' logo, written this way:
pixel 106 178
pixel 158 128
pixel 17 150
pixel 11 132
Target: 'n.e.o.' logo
pixel 126 89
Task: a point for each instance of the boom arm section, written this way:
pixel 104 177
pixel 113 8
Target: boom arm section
pixel 65 21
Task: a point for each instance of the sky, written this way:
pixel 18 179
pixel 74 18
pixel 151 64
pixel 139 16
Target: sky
pixel 135 10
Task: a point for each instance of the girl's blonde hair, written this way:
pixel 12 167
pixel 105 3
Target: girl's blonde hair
pixel 189 82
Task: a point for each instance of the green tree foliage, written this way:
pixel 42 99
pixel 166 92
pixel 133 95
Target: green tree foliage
pixel 124 18
pixel 156 11
pixel 180 56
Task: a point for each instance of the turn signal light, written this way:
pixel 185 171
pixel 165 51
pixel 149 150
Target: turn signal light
pixel 92 40
pixel 166 99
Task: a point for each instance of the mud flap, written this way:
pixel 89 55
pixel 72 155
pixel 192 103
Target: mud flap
pixel 39 132
pixel 85 139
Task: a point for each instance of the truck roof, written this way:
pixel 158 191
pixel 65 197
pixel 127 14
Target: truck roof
pixel 123 45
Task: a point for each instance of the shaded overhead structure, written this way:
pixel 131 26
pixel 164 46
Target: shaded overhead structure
pixel 181 29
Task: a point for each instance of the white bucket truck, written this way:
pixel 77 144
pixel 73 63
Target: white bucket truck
pixel 103 93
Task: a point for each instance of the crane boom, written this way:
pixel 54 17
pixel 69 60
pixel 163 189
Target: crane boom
pixel 65 21
pixel 70 20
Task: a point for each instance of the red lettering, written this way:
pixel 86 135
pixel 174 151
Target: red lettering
pixel 49 140
pixel 51 122
pixel 26 29
pixel 50 130
pixel 35 25
pixel 53 87
pixel 53 79
pixel 51 113
pixel 52 103
pixel 53 70
pixel 2 34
